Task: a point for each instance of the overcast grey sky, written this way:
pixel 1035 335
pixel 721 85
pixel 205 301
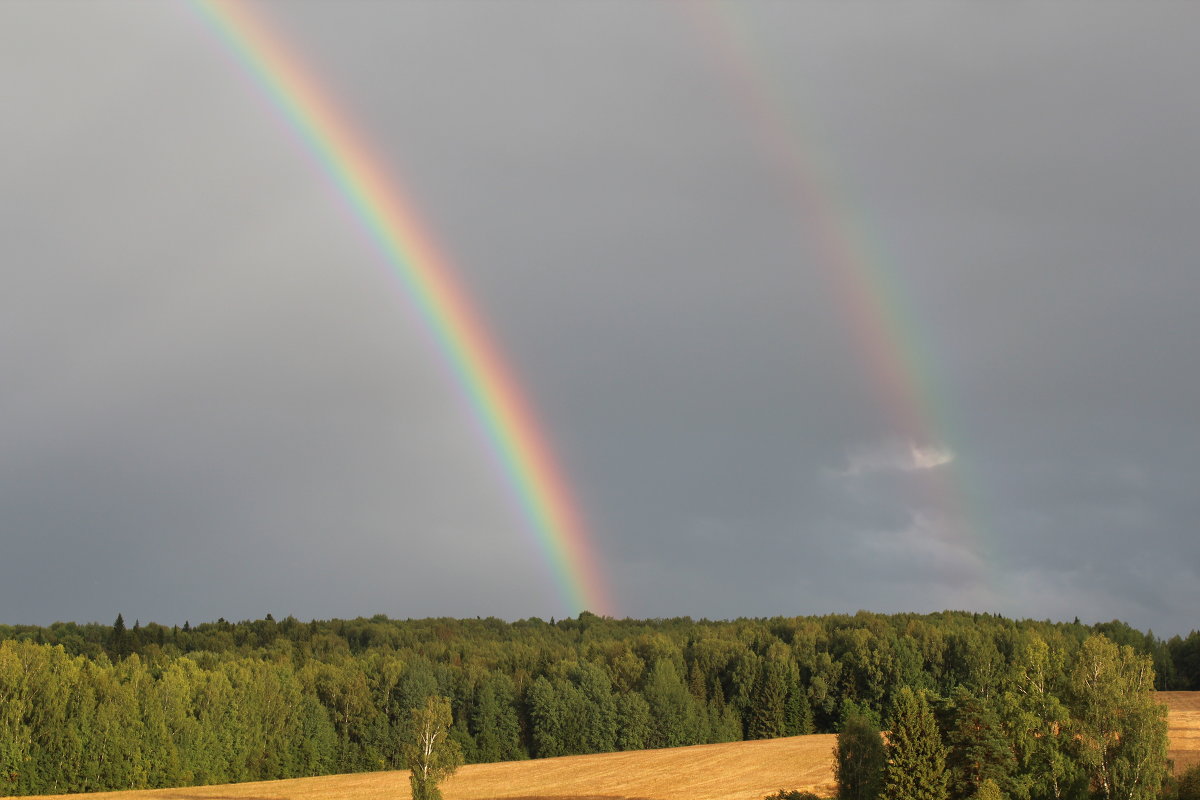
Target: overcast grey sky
pixel 216 401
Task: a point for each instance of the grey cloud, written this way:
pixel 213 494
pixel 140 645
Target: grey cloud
pixel 219 403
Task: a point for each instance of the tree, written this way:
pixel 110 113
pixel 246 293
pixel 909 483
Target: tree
pixel 1120 730
pixel 633 721
pixel 1187 785
pixel 989 790
pixel 598 708
pixel 547 718
pixel 979 749
pixel 432 756
pixel 674 720
pixel 494 721
pixel 768 701
pixel 119 645
pixel 1037 722
pixel 858 760
pixel 1185 656
pixel 797 712
pixel 916 767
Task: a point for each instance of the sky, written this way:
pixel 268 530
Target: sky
pixel 820 306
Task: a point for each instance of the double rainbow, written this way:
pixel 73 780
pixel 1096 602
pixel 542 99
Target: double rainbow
pixel 427 278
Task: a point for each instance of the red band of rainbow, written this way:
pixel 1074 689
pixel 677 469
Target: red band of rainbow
pixel 425 274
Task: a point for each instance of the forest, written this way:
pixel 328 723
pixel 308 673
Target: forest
pixel 1028 705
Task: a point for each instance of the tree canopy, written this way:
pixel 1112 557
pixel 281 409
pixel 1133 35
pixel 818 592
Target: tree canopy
pixel 1026 705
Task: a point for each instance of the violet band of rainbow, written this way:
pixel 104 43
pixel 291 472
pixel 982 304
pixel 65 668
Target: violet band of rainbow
pixel 387 216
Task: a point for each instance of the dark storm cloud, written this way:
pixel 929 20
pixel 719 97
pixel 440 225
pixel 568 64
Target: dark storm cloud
pixel 218 403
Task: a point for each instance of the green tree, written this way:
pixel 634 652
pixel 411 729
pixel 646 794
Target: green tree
pixel 916 766
pixel 598 708
pixel 633 721
pixel 494 721
pixel 119 644
pixel 798 719
pixel 432 756
pixel 156 745
pixel 1185 657
pixel 548 719
pixel 742 678
pixel 1119 729
pixel 973 661
pixel 724 724
pixel 14 706
pixel 115 756
pixel 342 688
pixel 1187 785
pixel 979 750
pixel 674 718
pixel 316 748
pixel 1037 719
pixel 415 683
pixel 989 790
pixel 56 748
pixel 768 701
pixel 859 760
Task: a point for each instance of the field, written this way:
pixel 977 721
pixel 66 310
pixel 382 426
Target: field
pixel 737 771
pixel 1183 723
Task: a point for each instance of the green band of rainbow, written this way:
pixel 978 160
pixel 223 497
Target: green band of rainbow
pixel 427 278
pixel 868 289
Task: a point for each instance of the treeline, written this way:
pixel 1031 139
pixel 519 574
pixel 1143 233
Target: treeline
pixel 92 707
pixel 1091 730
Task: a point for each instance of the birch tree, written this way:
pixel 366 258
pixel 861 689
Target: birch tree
pixel 432 756
pixel 1119 729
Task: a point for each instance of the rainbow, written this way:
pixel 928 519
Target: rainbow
pixel 872 298
pixel 427 278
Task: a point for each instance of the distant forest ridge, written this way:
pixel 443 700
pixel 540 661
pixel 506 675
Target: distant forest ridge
pixel 87 707
pixel 1176 659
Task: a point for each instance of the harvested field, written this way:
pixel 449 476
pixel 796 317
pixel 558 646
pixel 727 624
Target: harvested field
pixel 736 771
pixel 1183 727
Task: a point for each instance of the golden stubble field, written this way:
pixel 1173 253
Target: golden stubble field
pixel 737 771
pixel 1183 727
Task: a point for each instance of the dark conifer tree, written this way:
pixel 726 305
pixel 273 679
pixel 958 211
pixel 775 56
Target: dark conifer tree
pixel 798 713
pixel 916 767
pixel 979 750
pixel 118 641
pixel 494 721
pixel 768 702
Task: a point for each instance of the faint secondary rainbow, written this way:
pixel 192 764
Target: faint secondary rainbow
pixel 878 315
pixel 426 276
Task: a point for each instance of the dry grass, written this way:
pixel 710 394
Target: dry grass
pixel 1183 727
pixel 737 771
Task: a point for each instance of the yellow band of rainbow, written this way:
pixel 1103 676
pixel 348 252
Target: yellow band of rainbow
pixel 536 479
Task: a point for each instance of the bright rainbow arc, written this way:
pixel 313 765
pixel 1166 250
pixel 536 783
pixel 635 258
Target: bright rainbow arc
pixel 428 279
